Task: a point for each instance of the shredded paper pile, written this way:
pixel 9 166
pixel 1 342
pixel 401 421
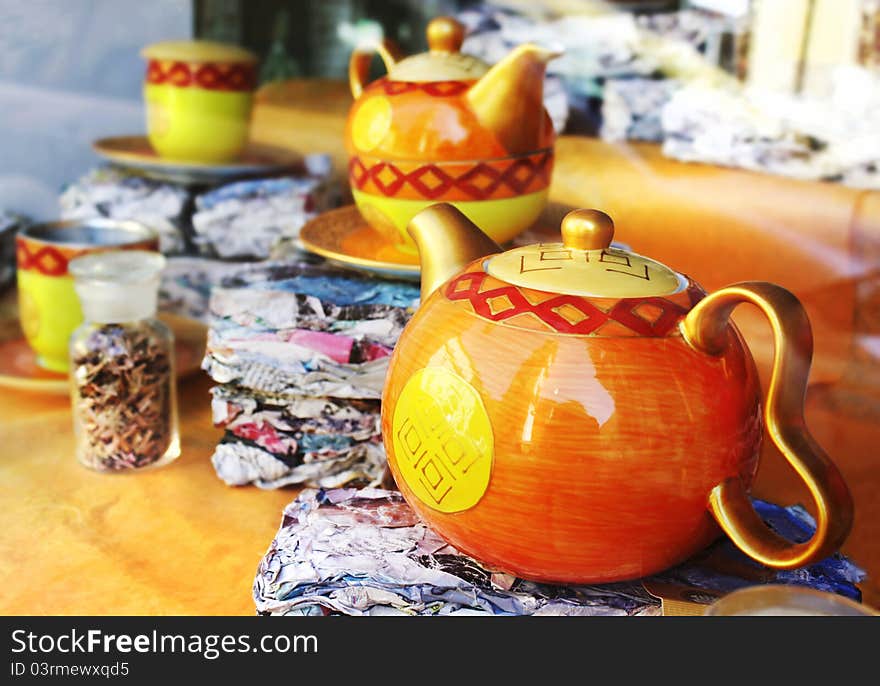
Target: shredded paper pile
pixel 238 220
pixel 365 552
pixel 247 218
pixel 300 351
pixel 117 194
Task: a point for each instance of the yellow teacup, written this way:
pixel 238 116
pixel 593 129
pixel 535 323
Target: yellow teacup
pixel 198 97
pixel 49 309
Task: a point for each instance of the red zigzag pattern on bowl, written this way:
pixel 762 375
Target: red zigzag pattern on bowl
pixel 207 75
pixel 481 181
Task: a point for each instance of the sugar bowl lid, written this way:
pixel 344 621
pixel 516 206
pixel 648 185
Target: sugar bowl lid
pixel 585 263
pixel 198 51
pixel 444 60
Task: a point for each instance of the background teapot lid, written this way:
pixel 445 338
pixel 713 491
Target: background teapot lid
pixel 444 61
pixel 585 264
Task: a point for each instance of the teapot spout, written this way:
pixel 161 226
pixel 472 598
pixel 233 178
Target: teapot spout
pixel 447 240
pixel 509 99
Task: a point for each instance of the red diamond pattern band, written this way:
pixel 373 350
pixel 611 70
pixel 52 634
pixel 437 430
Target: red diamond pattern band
pixel 207 75
pixel 580 316
pixel 437 89
pixel 502 178
pixel 50 260
pixel 46 260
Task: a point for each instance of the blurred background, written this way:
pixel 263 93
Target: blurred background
pixel 70 72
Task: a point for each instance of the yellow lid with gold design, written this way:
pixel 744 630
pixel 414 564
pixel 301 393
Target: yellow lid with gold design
pixel 444 61
pixel 585 264
pixel 198 51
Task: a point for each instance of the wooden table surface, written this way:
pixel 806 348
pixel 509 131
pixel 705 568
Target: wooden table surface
pixel 176 540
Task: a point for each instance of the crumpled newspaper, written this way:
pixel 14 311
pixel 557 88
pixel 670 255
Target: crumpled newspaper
pixel 238 464
pixel 274 441
pixel 238 220
pixel 365 552
pixel 186 284
pixel 306 329
pixel 245 219
pixel 632 108
pixel 111 192
pixel 837 138
pixel 290 362
pixel 305 294
pixel 331 284
pixel 301 350
pixel 296 428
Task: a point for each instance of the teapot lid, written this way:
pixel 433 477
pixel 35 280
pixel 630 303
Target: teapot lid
pixel 443 61
pixel 585 264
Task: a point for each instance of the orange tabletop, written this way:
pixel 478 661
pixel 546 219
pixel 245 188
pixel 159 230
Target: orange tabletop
pixel 173 540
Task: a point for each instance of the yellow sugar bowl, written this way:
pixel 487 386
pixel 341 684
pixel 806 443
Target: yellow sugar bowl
pixel 198 97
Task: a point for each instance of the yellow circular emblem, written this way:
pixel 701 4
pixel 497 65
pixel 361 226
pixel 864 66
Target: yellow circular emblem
pixel 371 123
pixel 443 442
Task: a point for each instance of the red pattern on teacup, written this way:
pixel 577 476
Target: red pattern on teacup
pixel 206 75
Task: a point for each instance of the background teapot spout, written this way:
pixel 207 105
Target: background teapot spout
pixel 447 240
pixel 509 99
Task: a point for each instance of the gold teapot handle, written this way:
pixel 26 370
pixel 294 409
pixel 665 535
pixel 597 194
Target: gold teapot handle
pixel 706 329
pixel 359 64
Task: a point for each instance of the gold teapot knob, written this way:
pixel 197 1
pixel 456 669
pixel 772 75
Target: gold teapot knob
pixel 445 34
pixel 587 230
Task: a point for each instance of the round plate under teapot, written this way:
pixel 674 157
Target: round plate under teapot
pixel 344 237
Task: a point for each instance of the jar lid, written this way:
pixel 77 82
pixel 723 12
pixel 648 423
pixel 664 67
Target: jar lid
pixel 444 60
pixel 118 285
pixel 198 51
pixel 585 264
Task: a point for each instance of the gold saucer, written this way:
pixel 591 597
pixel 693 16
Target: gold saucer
pixel 134 153
pixel 343 237
pixel 19 369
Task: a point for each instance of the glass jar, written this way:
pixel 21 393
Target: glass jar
pixel 122 364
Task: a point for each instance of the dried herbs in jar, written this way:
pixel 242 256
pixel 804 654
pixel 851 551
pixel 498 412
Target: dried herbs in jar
pixel 122 365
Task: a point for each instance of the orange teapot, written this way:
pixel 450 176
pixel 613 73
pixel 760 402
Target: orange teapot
pixel 574 412
pixel 447 127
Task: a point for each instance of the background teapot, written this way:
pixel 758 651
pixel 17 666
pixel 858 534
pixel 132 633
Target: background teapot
pixel 445 127
pixel 574 412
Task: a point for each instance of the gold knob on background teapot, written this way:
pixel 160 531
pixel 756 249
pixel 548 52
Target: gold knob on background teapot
pixel 445 34
pixel 587 230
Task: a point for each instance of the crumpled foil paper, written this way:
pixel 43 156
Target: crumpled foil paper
pixel 114 193
pixel 631 108
pixel 365 552
pixel 245 219
pixel 834 139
